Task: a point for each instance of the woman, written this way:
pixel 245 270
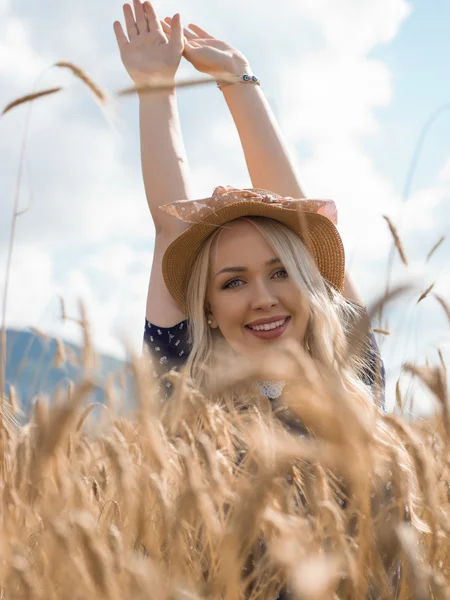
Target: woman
pixel 250 264
pixel 239 267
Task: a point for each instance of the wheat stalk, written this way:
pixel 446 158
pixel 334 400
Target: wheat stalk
pixel 435 247
pixel 381 331
pixel 425 293
pixel 162 84
pixel 29 98
pixel 397 241
pixel 90 83
pixel 444 305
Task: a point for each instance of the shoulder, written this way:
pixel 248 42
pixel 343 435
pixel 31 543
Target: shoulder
pixel 167 347
pixel 158 331
pixel 170 341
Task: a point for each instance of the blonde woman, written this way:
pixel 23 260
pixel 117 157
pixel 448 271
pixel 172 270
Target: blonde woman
pixel 239 267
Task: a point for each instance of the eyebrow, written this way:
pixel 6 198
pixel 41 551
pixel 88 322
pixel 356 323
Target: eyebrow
pixel 270 262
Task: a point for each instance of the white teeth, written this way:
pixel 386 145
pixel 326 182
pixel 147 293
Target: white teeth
pixel 267 326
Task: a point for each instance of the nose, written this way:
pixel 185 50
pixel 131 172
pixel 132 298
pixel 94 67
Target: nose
pixel 263 296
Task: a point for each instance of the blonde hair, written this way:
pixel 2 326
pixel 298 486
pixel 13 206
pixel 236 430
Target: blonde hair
pixel 331 316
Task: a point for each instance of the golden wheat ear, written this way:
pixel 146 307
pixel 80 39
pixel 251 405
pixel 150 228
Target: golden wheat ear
pixel 444 305
pixel 160 83
pixel 425 293
pixel 440 241
pixel 88 81
pixel 397 240
pixel 30 98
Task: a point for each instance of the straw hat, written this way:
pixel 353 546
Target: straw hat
pixel 314 221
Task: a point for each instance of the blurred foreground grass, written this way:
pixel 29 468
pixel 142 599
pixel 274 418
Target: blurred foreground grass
pixel 225 496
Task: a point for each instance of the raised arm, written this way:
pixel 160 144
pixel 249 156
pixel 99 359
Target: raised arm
pixel 147 52
pixel 269 163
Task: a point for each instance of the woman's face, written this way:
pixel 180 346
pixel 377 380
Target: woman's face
pixel 251 297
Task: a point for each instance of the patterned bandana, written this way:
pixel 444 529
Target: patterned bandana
pixel 194 211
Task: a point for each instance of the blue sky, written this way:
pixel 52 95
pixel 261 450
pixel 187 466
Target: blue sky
pixel 352 83
pixel 418 58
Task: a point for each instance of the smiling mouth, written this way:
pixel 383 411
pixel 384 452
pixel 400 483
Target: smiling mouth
pixel 268 326
pixel 269 331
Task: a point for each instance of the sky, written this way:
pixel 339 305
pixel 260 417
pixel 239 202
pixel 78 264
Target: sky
pixel 352 83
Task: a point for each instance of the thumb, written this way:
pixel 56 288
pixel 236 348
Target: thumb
pixel 176 35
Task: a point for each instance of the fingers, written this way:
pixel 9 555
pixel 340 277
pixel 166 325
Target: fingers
pixel 121 38
pixel 176 35
pixel 201 32
pixel 152 17
pixel 130 23
pixel 141 19
pixel 187 34
pixel 165 27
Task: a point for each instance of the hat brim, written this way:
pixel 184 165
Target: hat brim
pixel 322 240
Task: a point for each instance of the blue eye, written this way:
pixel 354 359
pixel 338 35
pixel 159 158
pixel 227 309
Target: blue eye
pixel 284 273
pixel 280 274
pixel 230 284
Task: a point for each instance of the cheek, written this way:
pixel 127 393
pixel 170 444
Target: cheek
pixel 229 313
pixel 302 314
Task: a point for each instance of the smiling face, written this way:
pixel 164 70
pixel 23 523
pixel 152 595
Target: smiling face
pixel 251 298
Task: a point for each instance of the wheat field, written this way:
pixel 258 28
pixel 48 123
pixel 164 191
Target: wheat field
pixel 225 496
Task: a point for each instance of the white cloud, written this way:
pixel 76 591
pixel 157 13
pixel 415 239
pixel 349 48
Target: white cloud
pixel 18 61
pixel 31 285
pixel 355 25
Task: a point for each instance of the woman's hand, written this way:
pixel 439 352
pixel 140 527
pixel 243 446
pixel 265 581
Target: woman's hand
pixel 148 50
pixel 207 54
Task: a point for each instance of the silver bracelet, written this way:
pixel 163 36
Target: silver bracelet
pixel 246 78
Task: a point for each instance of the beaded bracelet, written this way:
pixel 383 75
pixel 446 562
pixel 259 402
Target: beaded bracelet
pixel 241 79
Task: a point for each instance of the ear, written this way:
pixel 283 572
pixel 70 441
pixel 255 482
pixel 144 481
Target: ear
pixel 210 317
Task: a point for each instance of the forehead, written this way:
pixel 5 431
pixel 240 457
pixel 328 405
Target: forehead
pixel 238 242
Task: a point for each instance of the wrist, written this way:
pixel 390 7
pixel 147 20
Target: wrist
pixel 246 80
pixel 148 95
pixel 154 99
pixel 234 67
pixel 156 89
pixel 155 84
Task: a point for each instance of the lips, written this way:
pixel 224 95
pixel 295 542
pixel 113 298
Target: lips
pixel 268 326
pixel 267 320
pixel 276 328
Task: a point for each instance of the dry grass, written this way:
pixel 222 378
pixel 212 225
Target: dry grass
pixel 161 84
pixel 397 240
pixel 88 81
pixel 444 305
pixel 210 498
pixel 425 293
pixel 29 98
pixel 435 247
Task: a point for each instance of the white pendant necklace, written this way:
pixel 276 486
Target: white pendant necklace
pixel 271 389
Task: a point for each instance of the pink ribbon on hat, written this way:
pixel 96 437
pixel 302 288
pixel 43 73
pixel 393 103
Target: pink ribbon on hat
pixel 194 211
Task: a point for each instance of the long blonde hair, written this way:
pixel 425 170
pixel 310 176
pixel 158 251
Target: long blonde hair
pixel 330 319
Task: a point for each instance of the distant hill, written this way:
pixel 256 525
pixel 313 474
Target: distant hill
pixel 31 367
